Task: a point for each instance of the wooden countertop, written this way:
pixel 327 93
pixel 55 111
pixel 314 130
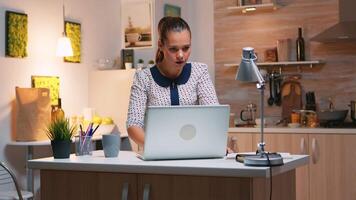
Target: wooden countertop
pixel 293 130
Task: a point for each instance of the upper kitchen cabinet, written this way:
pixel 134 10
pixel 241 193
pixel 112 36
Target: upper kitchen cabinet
pixel 253 6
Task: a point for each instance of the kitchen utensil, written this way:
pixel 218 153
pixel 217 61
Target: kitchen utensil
pixel 278 98
pixel 291 98
pixel 310 101
pixel 352 110
pixel 249 113
pixel 327 116
pixel 270 100
pixel 308 118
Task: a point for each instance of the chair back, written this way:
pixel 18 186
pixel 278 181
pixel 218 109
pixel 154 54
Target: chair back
pixel 7 177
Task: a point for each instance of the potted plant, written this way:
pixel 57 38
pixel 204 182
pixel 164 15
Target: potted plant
pixel 151 63
pixel 60 132
pixel 140 64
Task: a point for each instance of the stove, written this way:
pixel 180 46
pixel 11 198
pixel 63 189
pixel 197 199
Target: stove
pixel 338 124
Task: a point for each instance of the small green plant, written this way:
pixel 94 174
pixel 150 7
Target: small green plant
pixel 140 61
pixel 151 62
pixel 60 129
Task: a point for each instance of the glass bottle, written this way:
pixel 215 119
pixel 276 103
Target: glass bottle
pixel 57 111
pixel 60 111
pixel 300 46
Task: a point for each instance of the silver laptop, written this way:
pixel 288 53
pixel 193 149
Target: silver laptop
pixel 185 132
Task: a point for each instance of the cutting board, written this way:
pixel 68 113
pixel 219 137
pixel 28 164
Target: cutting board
pixel 291 98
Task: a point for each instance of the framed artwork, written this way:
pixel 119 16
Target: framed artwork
pixel 73 32
pixel 137 23
pixel 50 82
pixel 171 10
pixel 16 34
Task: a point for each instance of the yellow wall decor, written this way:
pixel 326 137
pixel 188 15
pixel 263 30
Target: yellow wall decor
pixel 16 34
pixel 50 82
pixel 73 32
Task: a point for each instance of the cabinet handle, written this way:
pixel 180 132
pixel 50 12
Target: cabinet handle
pixel 302 146
pixel 125 191
pixel 146 192
pixel 314 151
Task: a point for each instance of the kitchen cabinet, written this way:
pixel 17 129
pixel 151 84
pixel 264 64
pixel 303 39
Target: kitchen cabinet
pixel 83 185
pixel 80 185
pixel 294 144
pixel 163 187
pixel 330 174
pixel 244 142
pixel 332 166
pixel 128 177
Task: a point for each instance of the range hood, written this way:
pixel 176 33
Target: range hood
pixel 345 29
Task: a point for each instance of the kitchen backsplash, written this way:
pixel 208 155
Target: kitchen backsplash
pixel 336 78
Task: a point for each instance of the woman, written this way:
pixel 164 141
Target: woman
pixel 172 81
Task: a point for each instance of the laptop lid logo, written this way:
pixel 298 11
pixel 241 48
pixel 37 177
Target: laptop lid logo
pixel 187 132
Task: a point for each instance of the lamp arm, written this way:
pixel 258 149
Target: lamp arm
pixel 261 80
pixel 261 86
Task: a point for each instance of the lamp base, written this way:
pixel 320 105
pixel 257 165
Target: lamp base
pixel 264 159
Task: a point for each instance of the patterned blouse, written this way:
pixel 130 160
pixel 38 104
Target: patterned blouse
pixel 150 88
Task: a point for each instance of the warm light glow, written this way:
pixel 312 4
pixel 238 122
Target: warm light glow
pixel 250 9
pixel 64 47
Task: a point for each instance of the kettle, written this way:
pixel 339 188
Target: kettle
pixel 249 113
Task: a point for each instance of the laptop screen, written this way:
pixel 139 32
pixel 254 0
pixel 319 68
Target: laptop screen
pixel 183 132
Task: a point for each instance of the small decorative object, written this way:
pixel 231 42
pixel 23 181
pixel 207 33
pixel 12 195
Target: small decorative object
pixel 171 10
pixel 137 28
pixel 151 63
pixel 271 55
pixel 283 49
pixel 300 46
pixel 73 32
pixel 127 58
pixel 140 64
pixel 16 34
pixel 60 132
pixel 33 113
pixel 50 82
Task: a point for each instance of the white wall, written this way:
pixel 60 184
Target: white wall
pixel 100 38
pixel 100 22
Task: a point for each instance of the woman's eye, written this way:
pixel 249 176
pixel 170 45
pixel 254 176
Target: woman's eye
pixel 185 49
pixel 173 49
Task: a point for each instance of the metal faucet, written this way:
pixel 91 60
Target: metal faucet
pixel 331 104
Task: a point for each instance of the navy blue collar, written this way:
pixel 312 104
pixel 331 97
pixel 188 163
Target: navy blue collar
pixel 163 81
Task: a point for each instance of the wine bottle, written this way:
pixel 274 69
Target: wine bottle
pixel 300 46
pixel 57 113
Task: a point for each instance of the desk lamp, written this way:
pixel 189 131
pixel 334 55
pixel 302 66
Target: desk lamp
pixel 249 72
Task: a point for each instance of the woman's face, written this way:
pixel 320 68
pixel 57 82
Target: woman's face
pixel 176 51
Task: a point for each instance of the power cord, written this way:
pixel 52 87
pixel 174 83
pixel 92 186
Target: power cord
pixel 240 158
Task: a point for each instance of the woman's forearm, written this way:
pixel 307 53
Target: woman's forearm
pixel 136 134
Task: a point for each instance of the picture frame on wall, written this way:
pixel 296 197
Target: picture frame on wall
pixel 16 34
pixel 137 23
pixel 73 32
pixel 50 82
pixel 172 10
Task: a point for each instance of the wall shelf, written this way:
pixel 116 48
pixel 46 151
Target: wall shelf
pixel 283 63
pixel 254 8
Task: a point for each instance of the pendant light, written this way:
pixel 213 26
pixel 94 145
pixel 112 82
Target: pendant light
pixel 64 46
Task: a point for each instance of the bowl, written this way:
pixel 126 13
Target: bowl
pixel 293 125
pixel 332 115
